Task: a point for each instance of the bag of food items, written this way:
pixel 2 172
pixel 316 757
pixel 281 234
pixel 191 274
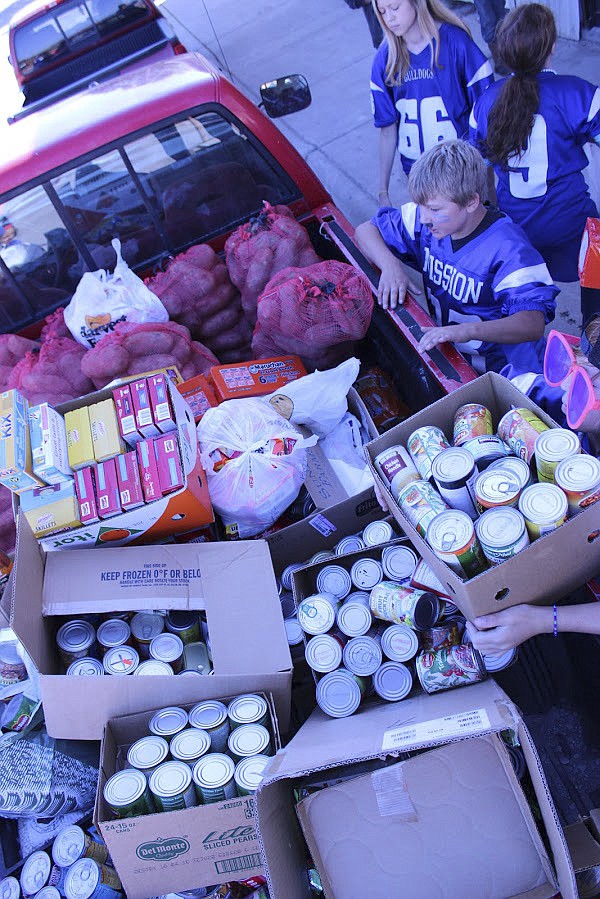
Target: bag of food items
pixel 12 349
pixel 52 373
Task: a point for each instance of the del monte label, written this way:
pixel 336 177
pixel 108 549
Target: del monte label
pixel 162 849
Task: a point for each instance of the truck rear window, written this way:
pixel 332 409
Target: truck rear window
pixel 71 28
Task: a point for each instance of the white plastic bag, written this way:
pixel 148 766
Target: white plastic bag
pixel 255 462
pixel 101 300
pixel 343 448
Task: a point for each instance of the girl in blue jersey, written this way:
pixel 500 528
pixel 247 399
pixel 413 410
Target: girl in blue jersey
pixel 532 127
pixel 426 76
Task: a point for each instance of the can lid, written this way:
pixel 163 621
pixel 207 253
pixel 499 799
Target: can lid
pixel 556 444
pixel 500 527
pixel 427 611
pixel 190 743
pixel 399 642
pixel 249 772
pixel 543 503
pixel 68 846
pixel 113 632
pixel 334 579
pixel 316 614
pixel 377 532
pixel 166 647
pixel 293 631
pixel 82 879
pixel 286 574
pixel 147 752
pixel 208 714
pixel 516 466
pixel 338 694
pixel 452 465
pixel 247 709
pixel 361 596
pixel 10 888
pixel 497 485
pixel 324 653
pixel 35 872
pixel 362 655
pixel 187 672
pixel 87 667
pixel 249 739
pixel 214 770
pixel 121 660
pixel 450 531
pixel 170 779
pixel 399 562
pixel 578 474
pixel 47 892
pixel 499 660
pixel 354 619
pixel 350 544
pixel 75 635
pixel 365 573
pixel 392 681
pixel 153 667
pixel 146 625
pixel 322 556
pixel 124 787
pixel 168 721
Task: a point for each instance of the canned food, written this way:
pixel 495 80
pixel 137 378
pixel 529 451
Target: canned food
pixel 248 740
pixel 288 607
pixel 121 660
pixel 146 754
pixel 171 787
pixel 35 872
pixel 339 694
pixel 424 445
pixel 451 536
pixel 75 639
pixel 126 794
pixel 498 661
pixel 324 653
pixel 72 843
pixel 377 532
pixel 152 667
pixel 496 487
pixel 353 619
pixel 398 562
pixel 502 534
pixel 471 420
pixel 168 648
pixel 168 721
pixel 249 773
pixel 213 778
pixel 399 643
pixel 365 573
pixel 454 473
pixel 392 681
pixel 425 579
pixel 211 716
pixel 359 596
pixel 144 627
pixel 446 668
pixel 322 556
pixel 550 448
pixel 486 450
pixel 335 580
pixel 12 668
pixel 362 655
pixel 519 429
pixel 351 544
pixel 420 503
pixel 248 709
pixel 49 892
pixel 404 605
pixel 515 466
pixel 579 478
pixel 316 613
pixel 87 667
pixel 379 396
pixel 196 657
pixel 10 888
pixel 185 624
pixel 293 632
pixel 286 574
pixel 111 633
pixel 445 634
pixel 396 468
pixel 86 879
pixel 544 507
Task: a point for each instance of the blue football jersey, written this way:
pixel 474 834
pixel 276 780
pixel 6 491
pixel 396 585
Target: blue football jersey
pixel 543 189
pixel 431 105
pixel 497 273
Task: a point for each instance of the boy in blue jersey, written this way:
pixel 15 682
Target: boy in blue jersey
pixel 489 291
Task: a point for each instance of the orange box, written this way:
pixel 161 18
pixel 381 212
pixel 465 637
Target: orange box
pixel 255 378
pixel 199 395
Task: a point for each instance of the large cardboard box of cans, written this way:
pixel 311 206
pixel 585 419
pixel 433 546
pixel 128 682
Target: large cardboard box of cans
pixel 169 851
pixel 233 582
pixel 544 571
pixel 421 795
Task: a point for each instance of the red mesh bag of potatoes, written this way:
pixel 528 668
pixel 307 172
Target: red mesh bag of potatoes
pixel 12 349
pixel 52 373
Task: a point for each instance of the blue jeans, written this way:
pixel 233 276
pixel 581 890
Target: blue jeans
pixel 490 12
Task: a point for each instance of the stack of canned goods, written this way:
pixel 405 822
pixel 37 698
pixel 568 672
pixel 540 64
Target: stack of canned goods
pixel 483 499
pixel 212 753
pixel 78 867
pixel 138 643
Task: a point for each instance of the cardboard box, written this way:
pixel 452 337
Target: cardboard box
pixel 86 495
pixel 181 512
pixel 255 378
pixel 51 508
pixel 49 444
pixel 107 489
pixel 539 574
pixel 79 437
pixel 199 395
pixel 142 408
pixel 126 415
pixel 233 582
pixel 457 816
pixel 170 475
pixel 104 425
pixel 131 495
pixel 162 411
pixel 149 474
pixel 16 463
pixel 212 842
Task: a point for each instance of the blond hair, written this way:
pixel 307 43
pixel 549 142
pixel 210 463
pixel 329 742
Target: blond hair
pixel 452 169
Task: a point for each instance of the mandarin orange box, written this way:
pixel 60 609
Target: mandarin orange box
pixel 199 395
pixel 256 377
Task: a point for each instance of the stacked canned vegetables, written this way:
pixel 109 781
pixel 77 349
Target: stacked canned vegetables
pixel 210 753
pixel 138 643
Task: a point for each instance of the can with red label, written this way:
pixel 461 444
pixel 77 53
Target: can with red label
pixel 445 634
pixel 519 429
pixel 445 668
pixel 424 445
pixel 420 503
pixel 471 420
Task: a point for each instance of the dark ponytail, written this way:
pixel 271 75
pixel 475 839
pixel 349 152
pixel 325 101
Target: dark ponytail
pixel 524 39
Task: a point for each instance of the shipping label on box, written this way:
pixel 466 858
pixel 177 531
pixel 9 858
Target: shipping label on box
pixel 142 408
pixel 104 425
pixel 79 438
pixel 16 464
pixel 86 495
pixel 148 466
pixel 257 377
pixel 128 478
pixel 162 410
pixel 107 489
pixel 126 414
pixel 49 444
pixel 51 508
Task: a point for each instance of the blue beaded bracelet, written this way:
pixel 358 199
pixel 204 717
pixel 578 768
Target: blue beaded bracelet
pixel 555 623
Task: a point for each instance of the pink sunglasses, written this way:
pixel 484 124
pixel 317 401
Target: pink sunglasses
pixel 559 363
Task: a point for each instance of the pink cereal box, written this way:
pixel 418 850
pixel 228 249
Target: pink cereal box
pixel 126 415
pixel 142 408
pixel 86 495
pixel 128 477
pixel 169 465
pixel 162 410
pixel 107 489
pixel 149 474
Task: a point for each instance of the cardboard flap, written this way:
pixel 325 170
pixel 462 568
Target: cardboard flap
pixel 26 618
pixel 583 846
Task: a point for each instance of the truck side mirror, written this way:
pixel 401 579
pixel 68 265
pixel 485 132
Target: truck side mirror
pixel 285 95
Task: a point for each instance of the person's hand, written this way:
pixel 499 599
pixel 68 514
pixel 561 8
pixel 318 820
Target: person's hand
pixel 381 499
pixel 394 284
pixel 447 334
pixel 501 631
pixel 383 197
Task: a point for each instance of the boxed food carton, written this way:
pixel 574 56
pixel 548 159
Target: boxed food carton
pixel 126 415
pixel 142 408
pixel 51 508
pixel 80 446
pixel 104 425
pixel 257 377
pixel 199 395
pixel 178 850
pixel 49 444
pixel 107 489
pixel 16 463
pixel 450 820
pixel 162 410
pixel 86 495
pixel 232 582
pixel 537 574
